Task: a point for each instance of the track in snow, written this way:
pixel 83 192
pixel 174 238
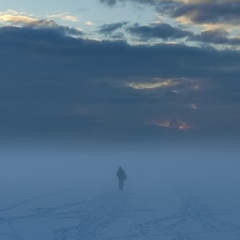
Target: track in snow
pixel 112 216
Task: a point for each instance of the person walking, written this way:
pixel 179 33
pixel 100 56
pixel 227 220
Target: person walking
pixel 121 178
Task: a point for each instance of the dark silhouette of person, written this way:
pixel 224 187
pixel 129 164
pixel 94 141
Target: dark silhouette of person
pixel 121 178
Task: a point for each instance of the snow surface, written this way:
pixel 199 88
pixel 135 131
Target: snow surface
pixel 177 195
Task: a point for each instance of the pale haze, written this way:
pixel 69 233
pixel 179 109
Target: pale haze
pixel 91 86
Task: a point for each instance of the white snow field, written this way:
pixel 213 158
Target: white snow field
pixel 172 195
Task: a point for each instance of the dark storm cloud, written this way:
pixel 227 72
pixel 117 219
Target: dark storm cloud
pixel 215 37
pixel 55 84
pixel 110 28
pixel 204 11
pixel 210 12
pixel 28 22
pixel 167 32
pixel 161 30
pixel 162 6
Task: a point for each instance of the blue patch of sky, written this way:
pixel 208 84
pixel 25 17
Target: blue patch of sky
pixel 85 11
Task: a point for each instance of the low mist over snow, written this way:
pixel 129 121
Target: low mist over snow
pixel 173 190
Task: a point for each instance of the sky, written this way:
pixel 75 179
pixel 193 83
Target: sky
pixel 119 69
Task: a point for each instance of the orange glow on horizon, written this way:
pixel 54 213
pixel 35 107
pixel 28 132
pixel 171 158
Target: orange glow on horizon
pixel 178 125
pixel 165 124
pixel 183 126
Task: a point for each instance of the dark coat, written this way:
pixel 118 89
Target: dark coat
pixel 121 174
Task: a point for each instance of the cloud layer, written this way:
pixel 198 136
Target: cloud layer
pixel 210 22
pixel 13 18
pixel 52 83
pixel 197 11
pixel 162 30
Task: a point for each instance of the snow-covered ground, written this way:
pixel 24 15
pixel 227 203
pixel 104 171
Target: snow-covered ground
pixel 73 195
pixel 114 215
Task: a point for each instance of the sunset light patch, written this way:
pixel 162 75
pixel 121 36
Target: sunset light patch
pixel 17 19
pixel 172 124
pixel 183 126
pixel 89 23
pixel 142 86
pixel 165 124
pixel 65 16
